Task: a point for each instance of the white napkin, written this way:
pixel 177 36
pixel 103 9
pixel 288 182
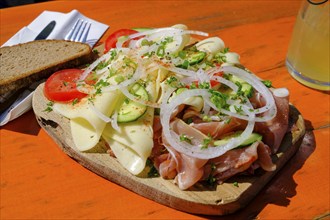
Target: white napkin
pixel 64 22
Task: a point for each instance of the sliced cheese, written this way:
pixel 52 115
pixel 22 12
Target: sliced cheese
pixel 126 156
pixel 132 142
pixel 86 126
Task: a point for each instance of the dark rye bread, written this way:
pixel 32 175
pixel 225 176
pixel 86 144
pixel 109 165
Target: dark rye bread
pixel 23 64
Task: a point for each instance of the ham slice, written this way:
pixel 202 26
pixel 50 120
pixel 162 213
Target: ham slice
pixel 190 171
pixel 274 130
pixel 187 170
pixel 238 160
pixel 218 129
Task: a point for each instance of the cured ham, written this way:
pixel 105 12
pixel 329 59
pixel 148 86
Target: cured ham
pixel 217 129
pixel 239 160
pixel 186 170
pixel 274 130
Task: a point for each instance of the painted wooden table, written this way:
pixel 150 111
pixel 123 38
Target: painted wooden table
pixel 38 181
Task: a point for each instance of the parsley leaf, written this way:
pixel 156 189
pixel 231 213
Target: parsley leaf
pixel 49 107
pixel 185 138
pixel 267 83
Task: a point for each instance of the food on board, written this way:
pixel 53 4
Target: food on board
pixel 181 108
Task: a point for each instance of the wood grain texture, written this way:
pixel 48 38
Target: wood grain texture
pixel 39 181
pixel 224 199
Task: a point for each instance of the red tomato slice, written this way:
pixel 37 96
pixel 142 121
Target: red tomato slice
pixel 62 87
pixel 111 41
pixel 215 83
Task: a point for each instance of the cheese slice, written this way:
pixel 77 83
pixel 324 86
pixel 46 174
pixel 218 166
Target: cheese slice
pixel 132 143
pixel 86 126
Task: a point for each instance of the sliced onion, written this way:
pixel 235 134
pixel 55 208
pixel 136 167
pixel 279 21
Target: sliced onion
pixel 137 75
pixel 160 32
pixel 256 83
pixel 106 119
pixel 114 122
pixel 99 114
pixel 93 65
pixel 178 70
pixel 196 151
pixel 165 95
pixel 202 76
pixel 188 80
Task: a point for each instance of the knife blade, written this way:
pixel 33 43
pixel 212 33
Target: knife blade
pixel 46 31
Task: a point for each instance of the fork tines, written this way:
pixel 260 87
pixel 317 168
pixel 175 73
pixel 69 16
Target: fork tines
pixel 79 31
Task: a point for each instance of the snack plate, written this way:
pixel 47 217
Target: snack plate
pixel 220 200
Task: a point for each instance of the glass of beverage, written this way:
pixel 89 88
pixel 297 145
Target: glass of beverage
pixel 308 55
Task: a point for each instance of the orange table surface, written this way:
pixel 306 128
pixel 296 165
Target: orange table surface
pixel 38 181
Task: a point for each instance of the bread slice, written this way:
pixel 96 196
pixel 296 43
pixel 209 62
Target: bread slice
pixel 23 64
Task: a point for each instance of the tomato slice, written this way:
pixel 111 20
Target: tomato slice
pixel 111 41
pixel 62 87
pixel 215 83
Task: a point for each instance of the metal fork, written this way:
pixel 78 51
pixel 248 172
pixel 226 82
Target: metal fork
pixel 79 31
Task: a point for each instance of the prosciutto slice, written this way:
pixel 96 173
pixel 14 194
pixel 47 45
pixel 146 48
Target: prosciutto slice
pixel 238 160
pixel 218 129
pixel 186 170
pixel 274 130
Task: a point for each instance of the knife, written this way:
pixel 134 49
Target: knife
pixel 46 31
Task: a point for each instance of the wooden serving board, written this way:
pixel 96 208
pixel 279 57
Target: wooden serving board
pixel 222 199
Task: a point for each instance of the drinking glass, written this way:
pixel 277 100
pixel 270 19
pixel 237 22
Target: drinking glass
pixel 308 54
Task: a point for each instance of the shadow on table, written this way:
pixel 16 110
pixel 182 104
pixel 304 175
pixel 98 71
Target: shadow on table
pixel 282 187
pixel 26 124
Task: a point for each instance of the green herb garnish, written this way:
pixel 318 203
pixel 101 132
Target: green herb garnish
pixel 160 51
pixel 189 121
pixel 75 101
pixel 49 107
pixel 182 54
pixel 206 142
pixel 102 65
pixel 153 172
pixel 267 83
pixel 218 99
pixel 146 42
pixel 185 138
pixel 211 180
